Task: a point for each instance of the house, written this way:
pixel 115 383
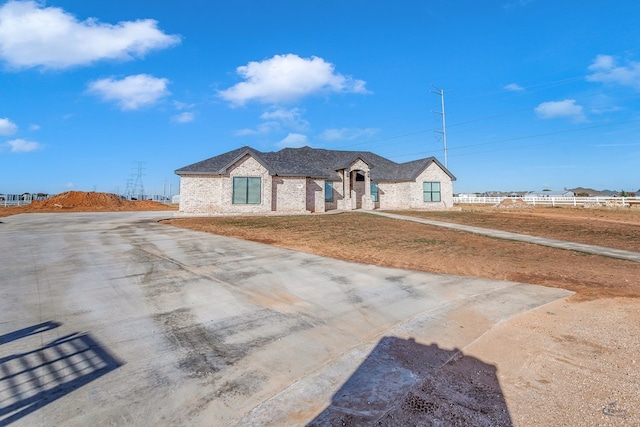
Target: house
pixel 549 193
pixel 298 180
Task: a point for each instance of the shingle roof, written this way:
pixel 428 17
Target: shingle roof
pixel 314 163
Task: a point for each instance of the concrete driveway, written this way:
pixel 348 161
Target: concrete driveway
pixel 112 318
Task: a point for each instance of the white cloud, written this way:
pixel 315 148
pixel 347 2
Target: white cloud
pixel 277 119
pixel 346 133
pixel 606 70
pixel 185 117
pixel 262 128
pixel 182 105
pixel 293 140
pixel 514 87
pixel 7 127
pixel 291 118
pixel 557 109
pixel 32 35
pixel 22 146
pixel 288 78
pixel 132 92
pixel 34 127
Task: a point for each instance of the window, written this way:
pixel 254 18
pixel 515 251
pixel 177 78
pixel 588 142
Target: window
pixel 359 176
pixel 431 191
pixel 374 191
pixel 328 191
pixel 246 190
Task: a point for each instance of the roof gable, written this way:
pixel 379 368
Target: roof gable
pixel 219 165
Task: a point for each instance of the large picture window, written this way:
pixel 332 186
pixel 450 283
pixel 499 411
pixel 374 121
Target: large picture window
pixel 328 191
pixel 431 191
pixel 246 190
pixel 374 191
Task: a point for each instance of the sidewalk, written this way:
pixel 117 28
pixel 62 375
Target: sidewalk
pixel 561 244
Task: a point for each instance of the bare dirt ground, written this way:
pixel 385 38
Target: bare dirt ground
pixel 571 362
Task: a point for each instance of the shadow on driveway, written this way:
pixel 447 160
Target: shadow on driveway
pixel 33 379
pixel 402 382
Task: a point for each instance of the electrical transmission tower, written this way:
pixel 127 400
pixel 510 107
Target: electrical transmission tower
pixel 440 92
pixel 135 187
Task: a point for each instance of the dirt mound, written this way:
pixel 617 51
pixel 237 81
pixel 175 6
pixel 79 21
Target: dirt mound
pixel 80 201
pixel 511 203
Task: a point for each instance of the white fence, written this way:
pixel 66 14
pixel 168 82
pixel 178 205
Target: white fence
pixel 7 200
pixel 553 201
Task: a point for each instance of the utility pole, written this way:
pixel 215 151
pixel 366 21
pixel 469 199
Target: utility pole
pixel 440 92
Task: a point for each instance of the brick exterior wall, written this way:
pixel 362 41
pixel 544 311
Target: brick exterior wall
pixel 315 195
pixel 290 194
pixel 408 195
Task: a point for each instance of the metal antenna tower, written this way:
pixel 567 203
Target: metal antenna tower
pixel 440 92
pixel 128 191
pixel 135 187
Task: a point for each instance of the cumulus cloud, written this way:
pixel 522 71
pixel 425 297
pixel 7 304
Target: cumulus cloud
pixel 22 146
pixel 559 109
pixel 132 92
pixel 32 35
pixel 288 78
pixel 7 127
pixel 514 87
pixel 348 134
pixel 185 117
pixel 293 140
pixel 606 70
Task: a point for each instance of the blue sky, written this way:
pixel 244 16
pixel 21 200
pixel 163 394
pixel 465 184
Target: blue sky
pixel 538 94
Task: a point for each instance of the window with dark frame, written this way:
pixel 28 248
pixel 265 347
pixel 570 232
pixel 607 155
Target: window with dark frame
pixel 374 191
pixel 247 190
pixel 431 191
pixel 328 191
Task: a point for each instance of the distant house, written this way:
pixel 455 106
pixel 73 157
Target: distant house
pixel 306 179
pixel 504 193
pixel 563 193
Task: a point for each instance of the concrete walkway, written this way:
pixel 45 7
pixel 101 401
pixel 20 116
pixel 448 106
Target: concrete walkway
pixel 561 244
pixel 115 319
